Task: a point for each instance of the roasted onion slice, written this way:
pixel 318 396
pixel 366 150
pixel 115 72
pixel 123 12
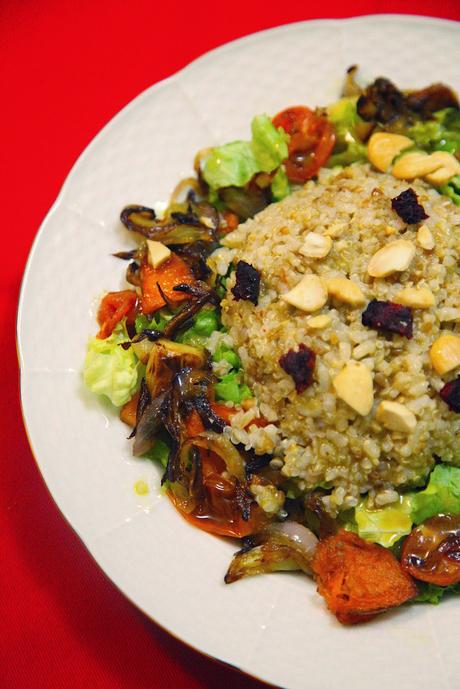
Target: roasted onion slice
pixel 148 426
pixel 142 220
pixel 279 547
pixel 246 203
pixel 167 357
pixel 221 446
pixel 209 487
pixel 186 190
pixel 432 98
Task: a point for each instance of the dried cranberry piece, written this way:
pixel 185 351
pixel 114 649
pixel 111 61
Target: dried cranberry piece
pixel 300 366
pixel 388 317
pixel 247 283
pixel 408 208
pixel 450 393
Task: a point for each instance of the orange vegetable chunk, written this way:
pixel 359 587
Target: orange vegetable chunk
pixel 128 410
pixel 113 308
pixel 359 579
pixel 170 274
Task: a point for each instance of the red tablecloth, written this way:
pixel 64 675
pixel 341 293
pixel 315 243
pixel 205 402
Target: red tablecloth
pixel 67 66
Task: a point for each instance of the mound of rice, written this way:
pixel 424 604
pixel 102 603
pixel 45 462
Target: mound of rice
pixel 317 437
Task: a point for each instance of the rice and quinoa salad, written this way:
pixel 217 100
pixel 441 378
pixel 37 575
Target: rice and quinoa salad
pixel 320 439
pixel 289 345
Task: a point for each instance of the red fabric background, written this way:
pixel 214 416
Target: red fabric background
pixel 67 66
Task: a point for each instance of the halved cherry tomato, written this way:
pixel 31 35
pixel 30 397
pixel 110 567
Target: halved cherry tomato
pixel 114 306
pixel 170 274
pixel 311 143
pixel 431 552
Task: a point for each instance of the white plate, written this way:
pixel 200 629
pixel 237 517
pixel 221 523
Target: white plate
pixel 275 627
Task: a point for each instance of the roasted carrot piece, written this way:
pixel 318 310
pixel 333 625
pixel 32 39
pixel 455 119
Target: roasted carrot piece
pixel 225 413
pixel 359 579
pixel 231 222
pixel 194 424
pixel 128 410
pixel 170 274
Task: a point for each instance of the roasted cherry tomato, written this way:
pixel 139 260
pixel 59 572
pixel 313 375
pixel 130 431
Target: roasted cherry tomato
pixel 431 552
pixel 311 144
pixel 219 510
pixel 114 307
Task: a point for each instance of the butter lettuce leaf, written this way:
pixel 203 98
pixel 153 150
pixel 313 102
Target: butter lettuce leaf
pixel 230 165
pixel 442 494
pixel 270 145
pixel 344 115
pixel 280 184
pixel 390 523
pixel 385 525
pixel 432 593
pixel 109 369
pixel 348 148
pixel 234 164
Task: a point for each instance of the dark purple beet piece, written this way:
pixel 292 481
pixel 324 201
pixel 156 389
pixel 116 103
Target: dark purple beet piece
pixel 450 393
pixel 300 366
pixel 389 317
pixel 247 283
pixel 408 208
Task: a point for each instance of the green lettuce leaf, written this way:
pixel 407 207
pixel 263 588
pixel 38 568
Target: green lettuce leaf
pixel 156 322
pixel 343 115
pixel 268 143
pixel 348 148
pixel 231 389
pixel 442 494
pixel 111 370
pixel 442 133
pixel 230 165
pixel 426 134
pixel 280 185
pixel 226 353
pixel 158 453
pixel 449 118
pixel 387 524
pixel 203 325
pixel 452 189
pixel 353 153
pixel 432 593
pixel 235 163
